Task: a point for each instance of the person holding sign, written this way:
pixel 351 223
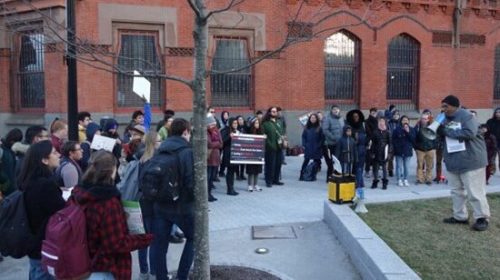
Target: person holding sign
pixel 253 170
pixel 227 134
pixel 466 167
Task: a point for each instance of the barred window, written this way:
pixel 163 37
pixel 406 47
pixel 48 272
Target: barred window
pixel 342 67
pixel 403 61
pixel 31 71
pixel 138 51
pixel 231 89
pixel 496 85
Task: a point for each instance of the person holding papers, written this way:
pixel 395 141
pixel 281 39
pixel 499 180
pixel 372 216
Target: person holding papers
pixel 465 159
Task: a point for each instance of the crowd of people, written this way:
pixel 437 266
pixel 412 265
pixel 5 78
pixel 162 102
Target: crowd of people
pixel 50 169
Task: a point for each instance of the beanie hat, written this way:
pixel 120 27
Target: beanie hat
pixel 210 120
pixel 451 100
pixel 91 130
pixel 110 124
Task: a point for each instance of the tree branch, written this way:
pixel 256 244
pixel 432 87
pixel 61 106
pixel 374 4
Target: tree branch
pixel 231 4
pixel 194 8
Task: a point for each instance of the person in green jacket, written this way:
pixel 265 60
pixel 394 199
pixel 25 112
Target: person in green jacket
pixel 274 132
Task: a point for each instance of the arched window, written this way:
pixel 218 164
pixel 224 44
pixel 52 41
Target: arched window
pixel 231 89
pixel 496 82
pixel 403 60
pixel 342 67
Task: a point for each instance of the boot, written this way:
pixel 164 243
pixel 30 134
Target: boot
pixel 390 173
pixel 374 184
pixel 384 184
pixel 211 198
pixel 301 177
pixel 231 191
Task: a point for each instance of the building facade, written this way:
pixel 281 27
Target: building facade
pixel 356 53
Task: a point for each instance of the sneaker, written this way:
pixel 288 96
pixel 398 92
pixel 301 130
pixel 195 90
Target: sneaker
pixel 452 220
pixel 175 239
pixel 257 188
pixel 418 182
pixel 428 183
pixel 400 182
pixel 406 183
pixel 211 198
pixel 481 224
pixel 250 189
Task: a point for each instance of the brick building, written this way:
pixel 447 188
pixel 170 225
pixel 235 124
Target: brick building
pixel 362 54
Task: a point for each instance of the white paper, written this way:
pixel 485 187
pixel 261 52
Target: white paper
pixel 453 145
pixel 336 164
pixel 142 87
pixel 103 143
pixel 133 212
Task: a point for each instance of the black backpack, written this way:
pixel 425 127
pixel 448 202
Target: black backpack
pixel 16 237
pixel 311 171
pixel 159 178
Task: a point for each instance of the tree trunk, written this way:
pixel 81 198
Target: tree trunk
pixel 201 238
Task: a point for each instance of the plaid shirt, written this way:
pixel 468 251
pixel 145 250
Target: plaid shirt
pixel 109 242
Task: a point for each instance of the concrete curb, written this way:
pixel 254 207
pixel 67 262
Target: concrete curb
pixel 373 258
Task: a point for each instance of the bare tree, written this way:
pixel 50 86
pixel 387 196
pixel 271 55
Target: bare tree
pixel 305 23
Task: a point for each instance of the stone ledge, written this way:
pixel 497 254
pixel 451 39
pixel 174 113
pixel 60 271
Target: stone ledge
pixel 373 258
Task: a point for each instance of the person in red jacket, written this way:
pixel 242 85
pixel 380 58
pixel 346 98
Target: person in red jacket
pixel 108 237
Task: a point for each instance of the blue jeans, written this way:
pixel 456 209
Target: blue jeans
pixel 37 272
pixel 101 276
pixel 143 253
pixel 163 220
pixel 402 167
pixel 360 182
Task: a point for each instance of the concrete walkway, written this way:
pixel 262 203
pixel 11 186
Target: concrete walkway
pixel 315 254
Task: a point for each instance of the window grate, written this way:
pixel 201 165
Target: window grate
pixel 30 74
pixel 496 86
pixel 231 89
pixel 402 68
pixel 342 67
pixel 138 51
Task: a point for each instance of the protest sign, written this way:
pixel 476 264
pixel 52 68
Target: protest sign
pixel 142 87
pixel 134 217
pixel 247 149
pixel 103 143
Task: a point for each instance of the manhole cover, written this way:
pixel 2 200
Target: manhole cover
pixel 273 232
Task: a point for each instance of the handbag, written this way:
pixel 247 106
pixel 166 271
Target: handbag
pixel 282 140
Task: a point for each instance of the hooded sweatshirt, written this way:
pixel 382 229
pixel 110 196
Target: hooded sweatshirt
pixel 108 238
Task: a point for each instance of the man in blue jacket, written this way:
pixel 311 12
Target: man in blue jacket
pixel 465 158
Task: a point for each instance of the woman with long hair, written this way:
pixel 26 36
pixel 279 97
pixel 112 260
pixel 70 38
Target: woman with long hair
pixel 227 134
pixel 312 140
pixel 253 170
pixel 108 237
pixel 42 197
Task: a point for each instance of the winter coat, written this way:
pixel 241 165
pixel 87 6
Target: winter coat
pixel 8 171
pixel 494 126
pixel 56 143
pixel 312 140
pixel 332 128
pixel 226 150
pixel 109 241
pixel 179 145
pixel 491 147
pixel 380 140
pixel 346 150
pixel 371 125
pixel 359 133
pixel 253 169
pixel 42 197
pixel 20 150
pixel 402 141
pixel 214 144
pixel 423 143
pixel 474 156
pixel 273 131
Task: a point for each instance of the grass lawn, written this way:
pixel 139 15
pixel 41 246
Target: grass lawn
pixel 415 231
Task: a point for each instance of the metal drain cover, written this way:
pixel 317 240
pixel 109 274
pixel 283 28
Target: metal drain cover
pixel 273 232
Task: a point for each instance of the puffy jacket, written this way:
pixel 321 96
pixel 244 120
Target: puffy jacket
pixel 381 139
pixel 402 142
pixel 312 140
pixel 346 149
pixel 332 128
pixel 474 156
pixel 214 144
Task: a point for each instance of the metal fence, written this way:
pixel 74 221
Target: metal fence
pixel 231 89
pixel 403 58
pixel 138 51
pixel 342 51
pixel 30 75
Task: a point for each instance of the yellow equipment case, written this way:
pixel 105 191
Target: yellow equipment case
pixel 341 189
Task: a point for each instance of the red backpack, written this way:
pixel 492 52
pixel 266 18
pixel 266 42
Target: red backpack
pixel 65 252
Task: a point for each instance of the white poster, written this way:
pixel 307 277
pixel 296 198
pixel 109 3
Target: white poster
pixel 454 145
pixel 103 143
pixel 142 87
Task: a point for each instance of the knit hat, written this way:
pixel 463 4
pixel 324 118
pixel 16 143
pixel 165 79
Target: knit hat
pixel 110 124
pixel 210 120
pixel 139 128
pixel 92 128
pixel 451 100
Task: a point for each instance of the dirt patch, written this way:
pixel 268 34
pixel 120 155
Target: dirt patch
pixel 230 272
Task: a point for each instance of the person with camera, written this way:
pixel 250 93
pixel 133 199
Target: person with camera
pixel 465 159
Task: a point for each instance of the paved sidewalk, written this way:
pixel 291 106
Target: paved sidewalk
pixel 315 254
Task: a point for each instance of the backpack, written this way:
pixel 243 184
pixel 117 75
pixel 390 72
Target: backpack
pixel 16 238
pixel 129 184
pixel 311 171
pixel 159 178
pixel 65 252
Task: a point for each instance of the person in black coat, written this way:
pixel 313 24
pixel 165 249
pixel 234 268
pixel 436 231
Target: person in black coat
pixel 346 151
pixel 312 140
pixel 402 140
pixel 381 146
pixel 356 120
pixel 494 128
pixel 370 126
pixel 253 170
pixel 227 133
pixel 42 195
